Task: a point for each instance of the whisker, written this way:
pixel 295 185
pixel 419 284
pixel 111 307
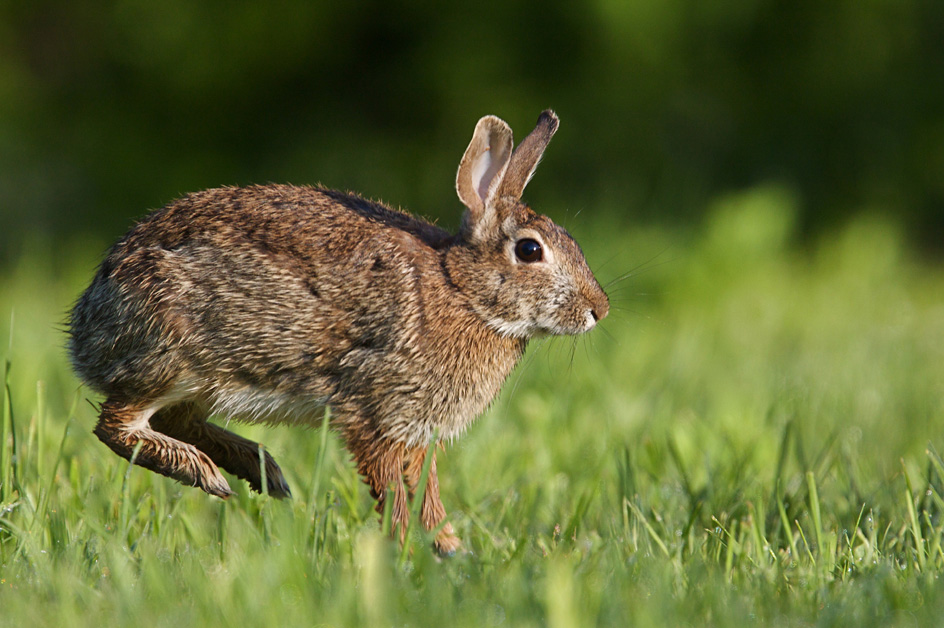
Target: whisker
pixel 629 286
pixel 623 296
pixel 608 260
pixel 610 336
pixel 640 268
pixel 586 351
pixel 624 311
pixel 538 344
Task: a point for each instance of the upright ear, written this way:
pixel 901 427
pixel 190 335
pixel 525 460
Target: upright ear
pixel 525 159
pixel 482 169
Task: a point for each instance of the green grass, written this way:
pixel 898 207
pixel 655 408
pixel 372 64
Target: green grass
pixel 755 439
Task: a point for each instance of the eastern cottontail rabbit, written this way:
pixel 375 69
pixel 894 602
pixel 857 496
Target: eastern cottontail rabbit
pixel 269 303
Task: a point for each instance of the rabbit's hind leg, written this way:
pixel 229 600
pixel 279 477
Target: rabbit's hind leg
pixel 187 422
pixel 432 512
pixel 123 426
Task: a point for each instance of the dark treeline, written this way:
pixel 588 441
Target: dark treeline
pixel 110 108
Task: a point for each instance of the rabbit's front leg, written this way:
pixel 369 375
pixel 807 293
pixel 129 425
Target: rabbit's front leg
pixel 380 463
pixel 123 426
pixel 432 513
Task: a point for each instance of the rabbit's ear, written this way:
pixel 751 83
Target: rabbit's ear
pixel 483 167
pixel 525 159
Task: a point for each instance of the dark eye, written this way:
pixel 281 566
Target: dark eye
pixel 529 250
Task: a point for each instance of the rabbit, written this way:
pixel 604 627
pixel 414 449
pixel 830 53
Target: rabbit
pixel 269 303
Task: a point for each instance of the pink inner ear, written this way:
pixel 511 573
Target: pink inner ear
pixel 483 172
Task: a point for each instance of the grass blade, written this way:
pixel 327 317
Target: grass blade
pixel 8 456
pixel 652 531
pixel 126 492
pixel 319 462
pixel 816 516
pixel 419 495
pixel 920 549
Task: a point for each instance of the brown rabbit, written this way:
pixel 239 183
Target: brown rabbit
pixel 269 303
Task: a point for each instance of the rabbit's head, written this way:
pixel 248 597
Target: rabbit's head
pixel 524 275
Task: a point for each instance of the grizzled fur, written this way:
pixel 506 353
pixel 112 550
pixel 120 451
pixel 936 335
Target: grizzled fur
pixel 269 303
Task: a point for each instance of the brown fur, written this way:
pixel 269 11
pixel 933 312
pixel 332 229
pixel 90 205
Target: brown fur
pixel 268 303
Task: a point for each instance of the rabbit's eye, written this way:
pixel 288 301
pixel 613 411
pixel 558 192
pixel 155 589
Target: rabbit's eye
pixel 529 250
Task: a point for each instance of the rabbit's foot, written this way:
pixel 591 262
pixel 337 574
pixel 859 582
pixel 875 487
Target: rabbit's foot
pixel 251 471
pixel 447 543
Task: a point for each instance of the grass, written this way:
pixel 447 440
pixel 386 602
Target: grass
pixel 755 439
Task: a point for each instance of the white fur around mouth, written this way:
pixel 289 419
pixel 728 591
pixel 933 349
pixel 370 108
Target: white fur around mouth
pixel 526 329
pixel 516 329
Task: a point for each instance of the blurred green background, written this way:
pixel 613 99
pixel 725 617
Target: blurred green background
pixel 108 109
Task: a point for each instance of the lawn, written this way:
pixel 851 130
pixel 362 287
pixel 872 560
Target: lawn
pixel 753 437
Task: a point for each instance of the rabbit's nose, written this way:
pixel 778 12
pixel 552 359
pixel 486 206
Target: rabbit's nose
pixel 600 308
